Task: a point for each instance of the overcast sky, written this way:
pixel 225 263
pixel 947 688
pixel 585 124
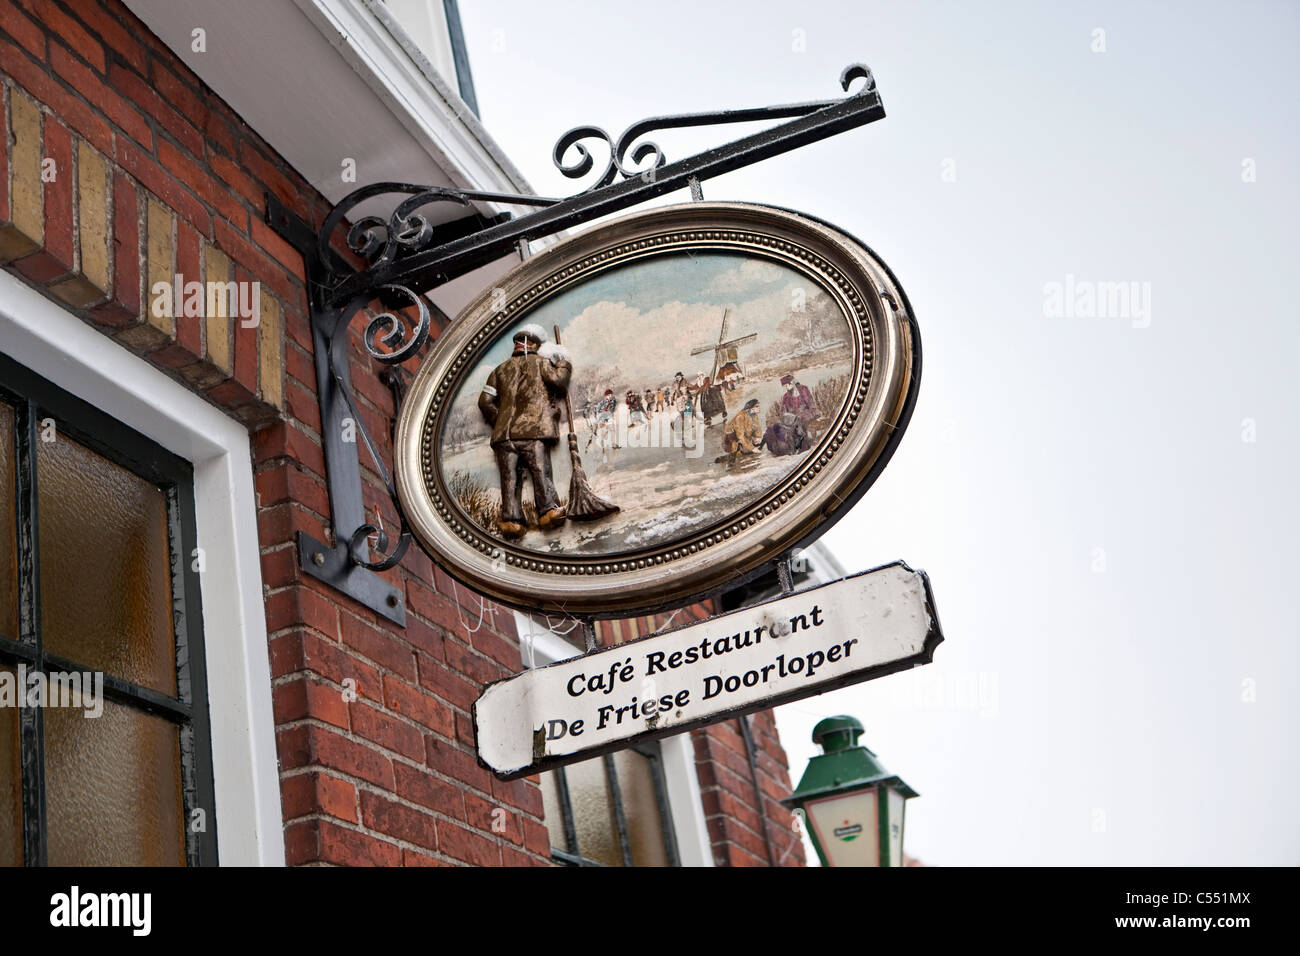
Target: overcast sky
pixel 1104 498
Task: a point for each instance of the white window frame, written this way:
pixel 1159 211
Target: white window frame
pixel 39 334
pixel 539 645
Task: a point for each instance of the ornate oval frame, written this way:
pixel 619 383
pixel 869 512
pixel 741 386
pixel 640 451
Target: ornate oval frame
pixel 793 512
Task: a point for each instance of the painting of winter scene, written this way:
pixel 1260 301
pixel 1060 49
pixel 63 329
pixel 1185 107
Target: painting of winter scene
pixel 646 403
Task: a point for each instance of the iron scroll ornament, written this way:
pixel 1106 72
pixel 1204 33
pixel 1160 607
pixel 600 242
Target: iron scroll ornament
pixel 406 248
pixel 403 254
pixel 823 481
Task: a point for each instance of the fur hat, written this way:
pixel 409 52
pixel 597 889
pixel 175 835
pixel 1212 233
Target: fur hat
pixel 787 379
pixel 532 331
pixel 752 403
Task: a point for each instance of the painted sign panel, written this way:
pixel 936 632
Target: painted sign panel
pixel 655 407
pixel 799 645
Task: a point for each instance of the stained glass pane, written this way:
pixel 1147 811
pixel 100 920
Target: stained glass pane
pixel 106 595
pixel 645 826
pixel 593 812
pixel 113 788
pixel 8 530
pixel 11 812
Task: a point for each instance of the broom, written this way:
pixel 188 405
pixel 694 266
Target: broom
pixel 584 504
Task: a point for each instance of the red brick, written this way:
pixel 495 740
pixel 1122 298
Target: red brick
pixel 379 646
pixel 246 345
pixel 268 239
pixel 307 745
pixel 422 637
pixel 283 187
pixel 300 606
pixel 218 133
pixel 179 95
pixel 145 98
pixel 113 33
pixel 411 858
pixel 146 169
pixel 119 111
pixel 189 264
pixel 302 843
pixel 493 819
pixel 420 786
pixel 467 846
pixel 126 303
pixel 71 33
pixel 464 661
pixel 283 440
pixel 233 176
pixel 301 403
pixel 303 698
pixel 282 523
pixel 216 195
pixel 286 654
pixel 524 794
pixel 353 848
pixel 465 730
pixel 388 732
pixel 452 761
pixel 267 270
pixel 307 793
pixel 336 664
pixel 536 838
pixel 434 607
pixel 402 822
pixel 58 256
pixel 512 857
pixel 299 364
pixel 413 703
pixel 451 687
pixel 494 646
pixel 280 567
pixel 65 105
pixel 17 24
pixel 287 482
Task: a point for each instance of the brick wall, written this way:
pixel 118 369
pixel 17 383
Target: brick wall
pixel 120 170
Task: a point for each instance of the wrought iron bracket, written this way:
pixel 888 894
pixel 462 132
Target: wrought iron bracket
pixel 406 255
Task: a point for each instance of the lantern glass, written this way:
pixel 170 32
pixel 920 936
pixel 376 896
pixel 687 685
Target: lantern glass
pixel 895 804
pixel 847 828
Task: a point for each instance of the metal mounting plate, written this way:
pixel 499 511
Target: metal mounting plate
pixel 332 566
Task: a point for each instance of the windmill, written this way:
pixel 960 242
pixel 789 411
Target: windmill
pixel 725 354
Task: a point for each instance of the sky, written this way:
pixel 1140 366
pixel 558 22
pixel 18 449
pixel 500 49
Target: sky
pixel 1092 208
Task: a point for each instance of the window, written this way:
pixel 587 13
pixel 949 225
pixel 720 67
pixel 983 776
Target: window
pixel 611 810
pixel 98 575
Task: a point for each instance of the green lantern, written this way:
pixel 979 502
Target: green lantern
pixel 851 805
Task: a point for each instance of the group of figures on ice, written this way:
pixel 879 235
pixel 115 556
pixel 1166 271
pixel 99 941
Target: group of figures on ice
pixel 522 401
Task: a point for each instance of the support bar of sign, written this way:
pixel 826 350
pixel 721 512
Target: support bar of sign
pixel 800 645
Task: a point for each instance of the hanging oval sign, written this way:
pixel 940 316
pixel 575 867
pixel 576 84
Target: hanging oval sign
pixel 656 408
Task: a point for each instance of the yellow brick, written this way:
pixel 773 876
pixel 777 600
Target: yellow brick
pixel 92 215
pixel 218 311
pixel 91 283
pixel 271 352
pixel 25 231
pixel 160 247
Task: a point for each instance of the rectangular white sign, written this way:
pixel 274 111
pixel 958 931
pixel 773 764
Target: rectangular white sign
pixel 799 645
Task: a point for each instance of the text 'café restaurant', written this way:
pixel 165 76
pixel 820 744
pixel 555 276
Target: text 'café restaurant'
pixel 204 440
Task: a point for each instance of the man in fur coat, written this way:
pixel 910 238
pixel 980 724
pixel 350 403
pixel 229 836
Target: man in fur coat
pixel 521 403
